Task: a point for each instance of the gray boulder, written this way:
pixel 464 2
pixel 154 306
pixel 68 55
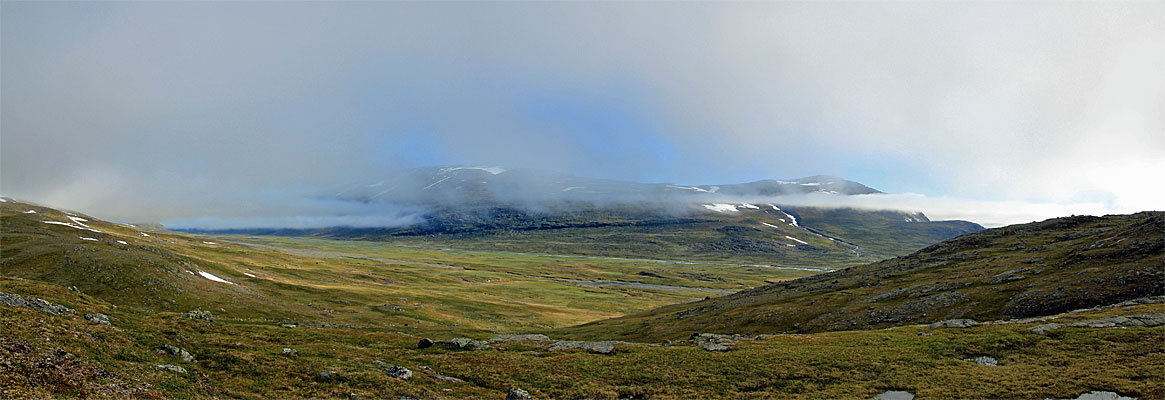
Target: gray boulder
pixel 517 394
pixel 34 303
pixel 97 319
pixel 199 314
pixel 712 346
pixel 463 344
pixel 518 337
pixel 178 352
pixel 605 347
pixel 394 371
pixel 895 395
pixel 954 323
pixel 1100 395
pixel 170 367
pixel 290 352
pixel 983 360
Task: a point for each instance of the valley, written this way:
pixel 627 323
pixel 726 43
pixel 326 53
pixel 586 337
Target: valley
pixel 275 316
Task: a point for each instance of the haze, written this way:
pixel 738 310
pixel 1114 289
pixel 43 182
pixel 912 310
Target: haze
pixel 987 111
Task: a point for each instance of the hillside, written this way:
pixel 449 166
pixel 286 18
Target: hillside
pixel 93 309
pixel 1017 271
pixel 491 208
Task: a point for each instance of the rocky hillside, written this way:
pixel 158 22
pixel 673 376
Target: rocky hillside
pixel 1016 271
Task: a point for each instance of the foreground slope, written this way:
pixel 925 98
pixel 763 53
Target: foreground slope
pixel 1017 271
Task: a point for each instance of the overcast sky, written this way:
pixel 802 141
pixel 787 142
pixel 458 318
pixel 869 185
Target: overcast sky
pixel 161 110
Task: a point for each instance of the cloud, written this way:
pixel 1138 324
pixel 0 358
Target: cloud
pixel 160 111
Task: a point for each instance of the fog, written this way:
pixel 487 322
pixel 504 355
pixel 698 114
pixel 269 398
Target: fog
pixel 227 112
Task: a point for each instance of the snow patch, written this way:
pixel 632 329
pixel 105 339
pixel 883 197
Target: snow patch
pixel 492 170
pixel 720 207
pixel 249 274
pixel 144 234
pixel 78 226
pixel 691 188
pixel 122 242
pixel 795 239
pixel 2 200
pixel 775 207
pixel 210 276
pixel 209 242
pixel 85 238
pixel 792 218
pixel 436 183
pixel 750 206
pixel 30 212
pixel 770 225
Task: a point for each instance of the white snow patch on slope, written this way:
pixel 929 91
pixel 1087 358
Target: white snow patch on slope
pixel 85 238
pixel 690 188
pixel 795 239
pixel 30 212
pixel 210 242
pixel 82 227
pixel 144 234
pixel 775 207
pixel 492 170
pixel 210 276
pixel 792 218
pixel 720 207
pixel 2 200
pixel 249 274
pixel 749 206
pixel 770 225
pixel 436 183
pixel 122 242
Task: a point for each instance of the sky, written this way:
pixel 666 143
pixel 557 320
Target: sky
pixel 989 111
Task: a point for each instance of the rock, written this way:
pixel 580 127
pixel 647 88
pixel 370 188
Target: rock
pixel 98 319
pixel 710 346
pixel 714 337
pixel 178 352
pixel 34 303
pixel 954 323
pixel 425 343
pixel 289 325
pixel 983 360
pixel 518 337
pixel 199 314
pixel 895 395
pixel 394 371
pixel 328 376
pixel 1100 395
pixel 290 352
pixel 1144 320
pixel 517 394
pixel 593 347
pixel 463 344
pixel 170 367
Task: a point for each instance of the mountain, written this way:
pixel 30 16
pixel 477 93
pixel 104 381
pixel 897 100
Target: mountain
pixel 1017 271
pixel 494 208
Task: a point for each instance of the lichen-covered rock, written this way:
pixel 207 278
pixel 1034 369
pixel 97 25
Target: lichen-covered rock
pixel 394 371
pixel 954 323
pixel 170 367
pixel 101 319
pixel 714 346
pixel 34 303
pixel 983 360
pixel 895 395
pixel 517 394
pixel 182 354
pixel 518 337
pixel 593 347
pixel 463 344
pixel 199 314
pixel 290 352
pixel 1128 321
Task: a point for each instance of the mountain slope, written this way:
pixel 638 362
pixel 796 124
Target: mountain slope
pixel 492 208
pixel 1017 271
